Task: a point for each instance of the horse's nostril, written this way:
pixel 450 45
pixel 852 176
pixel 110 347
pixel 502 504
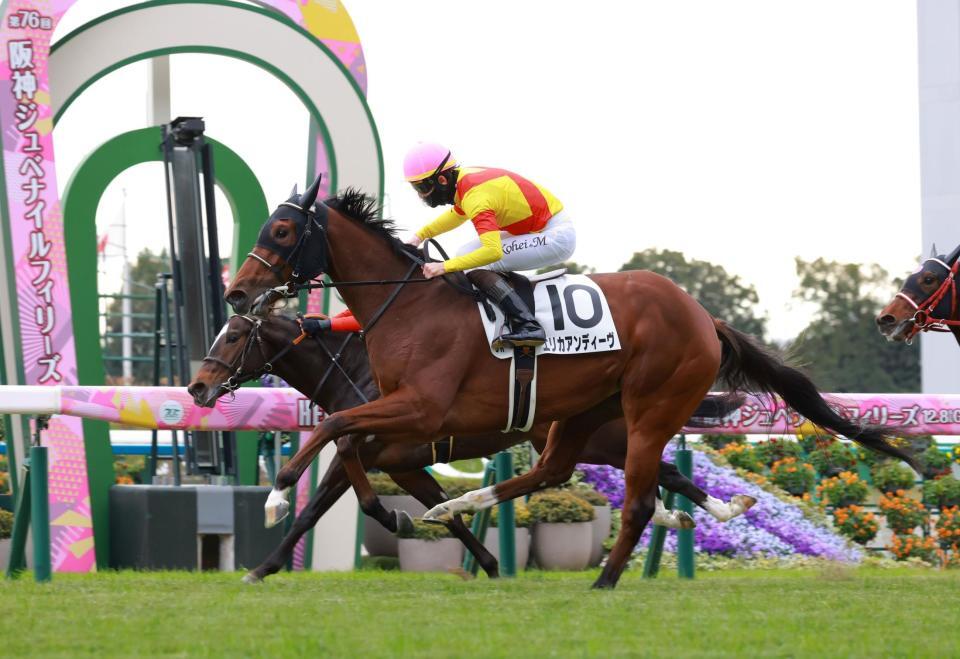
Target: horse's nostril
pixel 236 299
pixel 886 320
pixel 196 389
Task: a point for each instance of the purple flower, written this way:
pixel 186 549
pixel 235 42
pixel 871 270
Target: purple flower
pixel 771 528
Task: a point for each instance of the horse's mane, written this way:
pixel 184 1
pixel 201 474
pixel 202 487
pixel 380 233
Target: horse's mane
pixel 365 210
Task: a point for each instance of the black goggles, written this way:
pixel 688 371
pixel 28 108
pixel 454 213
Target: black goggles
pixel 425 185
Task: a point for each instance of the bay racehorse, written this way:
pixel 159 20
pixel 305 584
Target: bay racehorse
pixel 333 371
pixel 433 366
pixel 927 301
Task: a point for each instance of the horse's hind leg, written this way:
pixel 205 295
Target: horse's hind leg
pixel 556 464
pixel 427 490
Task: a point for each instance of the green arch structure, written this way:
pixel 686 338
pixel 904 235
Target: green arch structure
pixel 80 201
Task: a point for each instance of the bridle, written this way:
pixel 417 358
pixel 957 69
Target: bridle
pixel 923 319
pixel 309 327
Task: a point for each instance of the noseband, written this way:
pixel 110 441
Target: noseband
pixel 239 377
pixel 923 319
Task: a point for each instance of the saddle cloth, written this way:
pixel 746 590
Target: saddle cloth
pixel 572 310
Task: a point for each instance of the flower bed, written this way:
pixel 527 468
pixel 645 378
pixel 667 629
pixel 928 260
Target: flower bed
pixel 773 527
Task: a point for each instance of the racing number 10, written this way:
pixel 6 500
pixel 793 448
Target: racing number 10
pixel 558 307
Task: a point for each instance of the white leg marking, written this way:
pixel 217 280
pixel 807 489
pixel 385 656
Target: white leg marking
pixel 276 507
pixel 470 502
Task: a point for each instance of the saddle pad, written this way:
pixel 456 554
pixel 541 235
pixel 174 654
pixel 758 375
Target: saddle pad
pixel 574 313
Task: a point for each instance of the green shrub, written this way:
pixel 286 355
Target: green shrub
pixel 942 492
pixel 383 485
pixel 856 523
pixel 742 456
pixel 129 469
pixel 775 449
pixel 521 515
pixel 717 442
pixel 888 477
pixel 843 490
pixel 934 462
pixel 794 476
pixel 810 442
pixel 426 531
pixel 456 486
pixel 6 525
pixel 832 459
pixel 559 507
pixel 903 513
pixel 589 494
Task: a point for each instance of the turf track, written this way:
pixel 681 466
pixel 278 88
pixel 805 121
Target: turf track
pixel 863 612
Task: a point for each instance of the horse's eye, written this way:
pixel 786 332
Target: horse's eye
pixel 281 233
pixel 232 338
pixel 928 279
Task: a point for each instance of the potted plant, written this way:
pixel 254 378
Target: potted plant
pixel 742 456
pixel 521 522
pixel 776 449
pixel 378 540
pixel 833 458
pixel 889 477
pixel 562 533
pixel 601 519
pixel 908 545
pixel 903 513
pixel 856 523
pixel 948 528
pixel 793 476
pixel 6 530
pixel 942 492
pixel 934 462
pixel 429 548
pixel 844 490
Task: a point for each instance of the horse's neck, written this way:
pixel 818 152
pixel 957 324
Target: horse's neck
pixel 306 363
pixel 360 254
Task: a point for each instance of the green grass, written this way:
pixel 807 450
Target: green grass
pixel 863 612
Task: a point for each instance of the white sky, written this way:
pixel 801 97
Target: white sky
pixel 742 133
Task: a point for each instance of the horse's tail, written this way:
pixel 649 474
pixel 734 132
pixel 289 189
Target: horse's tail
pixel 746 365
pixel 714 407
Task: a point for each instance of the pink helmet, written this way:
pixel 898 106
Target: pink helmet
pixel 425 159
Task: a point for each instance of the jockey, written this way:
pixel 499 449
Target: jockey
pixel 520 226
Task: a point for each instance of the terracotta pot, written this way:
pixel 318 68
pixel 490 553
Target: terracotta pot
pixel 430 555
pixel 562 546
pixel 378 540
pixel 601 531
pixel 522 540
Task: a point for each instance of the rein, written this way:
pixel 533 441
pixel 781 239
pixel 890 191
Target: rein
pixel 923 319
pixel 239 378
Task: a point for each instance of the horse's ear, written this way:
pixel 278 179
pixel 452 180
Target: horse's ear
pixel 952 257
pixel 933 251
pixel 293 193
pixel 310 196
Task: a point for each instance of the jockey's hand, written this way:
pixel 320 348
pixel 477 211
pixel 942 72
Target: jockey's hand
pixel 431 270
pixel 414 240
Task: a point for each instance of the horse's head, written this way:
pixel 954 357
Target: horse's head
pixel 244 350
pixel 291 247
pixel 925 295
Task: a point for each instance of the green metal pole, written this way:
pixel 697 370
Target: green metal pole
pixel 506 527
pixel 651 565
pixel 685 563
pixel 481 522
pixel 41 513
pixel 21 522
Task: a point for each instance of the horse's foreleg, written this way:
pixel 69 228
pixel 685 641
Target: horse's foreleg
pixel 425 488
pixel 332 486
pixel 348 450
pixel 673 480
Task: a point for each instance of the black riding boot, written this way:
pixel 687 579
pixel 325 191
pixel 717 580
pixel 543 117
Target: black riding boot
pixel 524 328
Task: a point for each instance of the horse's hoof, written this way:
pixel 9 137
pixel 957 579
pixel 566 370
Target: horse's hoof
pixel 742 502
pixel 404 522
pixel 251 579
pixel 685 520
pixel 439 514
pixel 276 508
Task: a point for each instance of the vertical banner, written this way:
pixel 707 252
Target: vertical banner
pixel 39 266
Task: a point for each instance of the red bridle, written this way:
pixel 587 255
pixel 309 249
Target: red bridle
pixel 923 319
